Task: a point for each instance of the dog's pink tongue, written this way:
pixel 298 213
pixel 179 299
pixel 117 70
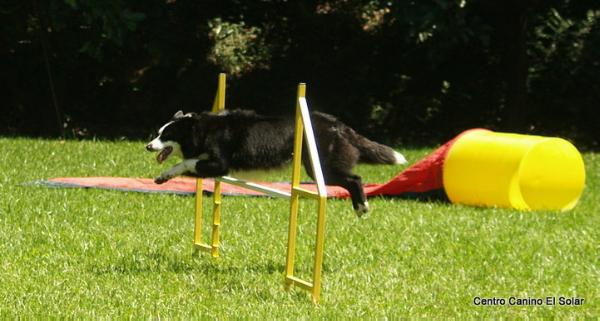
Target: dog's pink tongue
pixel 164 154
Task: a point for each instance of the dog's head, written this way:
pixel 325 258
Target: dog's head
pixel 173 136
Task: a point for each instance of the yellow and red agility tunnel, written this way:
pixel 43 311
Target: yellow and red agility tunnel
pixel 484 168
pixel 479 167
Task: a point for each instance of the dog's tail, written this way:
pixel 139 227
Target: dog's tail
pixel 374 153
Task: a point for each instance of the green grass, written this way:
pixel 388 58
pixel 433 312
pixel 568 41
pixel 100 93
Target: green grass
pixel 76 253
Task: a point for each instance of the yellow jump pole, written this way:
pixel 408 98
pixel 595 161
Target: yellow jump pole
pixel 291 248
pixel 218 105
pixel 216 220
pixel 198 216
pixel 316 290
pixel 321 196
pixel 304 127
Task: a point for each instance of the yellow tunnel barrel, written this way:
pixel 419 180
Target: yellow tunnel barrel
pixel 486 168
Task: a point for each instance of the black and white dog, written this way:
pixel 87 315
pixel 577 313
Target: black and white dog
pixel 211 144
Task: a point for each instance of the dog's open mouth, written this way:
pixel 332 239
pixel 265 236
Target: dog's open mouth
pixel 164 153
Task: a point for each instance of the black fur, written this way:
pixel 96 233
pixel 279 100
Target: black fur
pixel 244 140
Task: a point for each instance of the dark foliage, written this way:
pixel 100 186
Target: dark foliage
pixel 398 71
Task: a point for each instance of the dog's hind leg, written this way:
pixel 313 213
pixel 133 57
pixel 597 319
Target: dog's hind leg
pixel 338 158
pixel 353 184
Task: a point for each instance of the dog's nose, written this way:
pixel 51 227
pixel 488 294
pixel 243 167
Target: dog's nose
pixel 149 147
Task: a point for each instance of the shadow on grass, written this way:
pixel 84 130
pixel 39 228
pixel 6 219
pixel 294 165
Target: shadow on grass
pixel 159 262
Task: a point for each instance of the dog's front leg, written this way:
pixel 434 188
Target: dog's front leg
pixel 187 165
pixel 210 168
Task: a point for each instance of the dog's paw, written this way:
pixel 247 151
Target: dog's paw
pixel 362 209
pixel 161 179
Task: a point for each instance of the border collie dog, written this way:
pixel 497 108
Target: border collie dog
pixel 211 144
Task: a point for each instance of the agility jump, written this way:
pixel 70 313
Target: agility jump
pixel 303 127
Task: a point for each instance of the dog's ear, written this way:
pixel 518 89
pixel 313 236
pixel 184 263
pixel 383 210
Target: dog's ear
pixel 178 114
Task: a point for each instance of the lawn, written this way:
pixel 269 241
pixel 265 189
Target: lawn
pixel 83 254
